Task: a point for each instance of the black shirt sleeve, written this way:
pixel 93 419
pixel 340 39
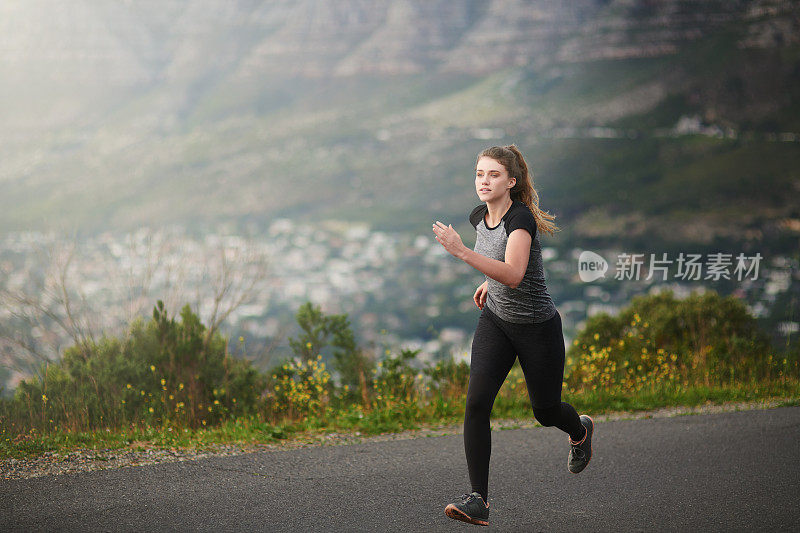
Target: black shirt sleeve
pixel 477 215
pixel 521 217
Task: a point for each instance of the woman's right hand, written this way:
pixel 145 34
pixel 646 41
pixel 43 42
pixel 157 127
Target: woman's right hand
pixel 480 294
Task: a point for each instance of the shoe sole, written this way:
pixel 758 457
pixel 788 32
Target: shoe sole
pixel 456 514
pixel 591 452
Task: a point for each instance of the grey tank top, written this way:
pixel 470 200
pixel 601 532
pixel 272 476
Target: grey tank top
pixel 530 301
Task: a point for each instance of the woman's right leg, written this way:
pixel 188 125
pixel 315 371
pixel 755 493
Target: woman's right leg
pixel 491 360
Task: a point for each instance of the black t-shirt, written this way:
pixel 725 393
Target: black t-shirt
pixel 518 216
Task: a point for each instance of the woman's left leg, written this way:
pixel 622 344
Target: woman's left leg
pixel 541 352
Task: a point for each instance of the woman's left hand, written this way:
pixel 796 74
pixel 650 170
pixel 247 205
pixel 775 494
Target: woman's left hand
pixel 449 238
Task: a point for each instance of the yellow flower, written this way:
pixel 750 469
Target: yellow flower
pixel 152 368
pixel 216 402
pixel 171 397
pixel 163 381
pixel 241 339
pixel 142 393
pixel 180 386
pixel 308 345
pixel 129 385
pixel 150 409
pixel 44 398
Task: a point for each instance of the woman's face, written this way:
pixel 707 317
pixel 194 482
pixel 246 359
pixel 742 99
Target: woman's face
pixel 491 180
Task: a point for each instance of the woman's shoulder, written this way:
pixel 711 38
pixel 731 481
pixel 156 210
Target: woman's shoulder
pixel 518 216
pixel 477 215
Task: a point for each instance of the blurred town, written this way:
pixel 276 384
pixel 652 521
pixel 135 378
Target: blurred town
pixel 399 290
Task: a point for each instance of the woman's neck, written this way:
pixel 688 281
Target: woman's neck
pixel 497 209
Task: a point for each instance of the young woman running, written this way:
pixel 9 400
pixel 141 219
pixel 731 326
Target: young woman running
pixel 518 319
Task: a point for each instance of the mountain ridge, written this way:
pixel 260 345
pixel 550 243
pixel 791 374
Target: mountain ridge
pixel 126 114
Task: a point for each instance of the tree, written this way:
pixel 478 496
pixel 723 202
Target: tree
pixel 319 332
pixel 51 311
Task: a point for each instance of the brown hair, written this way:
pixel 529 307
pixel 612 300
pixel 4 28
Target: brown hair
pixel 511 158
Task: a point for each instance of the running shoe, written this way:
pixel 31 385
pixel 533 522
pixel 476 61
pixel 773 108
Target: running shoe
pixel 471 509
pixel 581 452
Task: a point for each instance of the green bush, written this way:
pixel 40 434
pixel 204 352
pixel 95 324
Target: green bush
pixel 704 338
pixel 163 373
pixel 448 376
pixel 321 333
pixel 396 381
pixel 300 389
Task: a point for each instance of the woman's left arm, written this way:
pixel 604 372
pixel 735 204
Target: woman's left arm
pixel 509 272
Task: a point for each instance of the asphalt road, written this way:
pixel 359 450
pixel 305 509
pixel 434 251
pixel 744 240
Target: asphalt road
pixel 735 471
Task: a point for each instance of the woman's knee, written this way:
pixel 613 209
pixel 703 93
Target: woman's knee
pixel 549 415
pixel 477 406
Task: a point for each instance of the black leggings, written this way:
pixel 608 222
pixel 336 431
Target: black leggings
pixel 497 343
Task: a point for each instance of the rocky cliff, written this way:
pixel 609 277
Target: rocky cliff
pixel 126 43
pixel 134 111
